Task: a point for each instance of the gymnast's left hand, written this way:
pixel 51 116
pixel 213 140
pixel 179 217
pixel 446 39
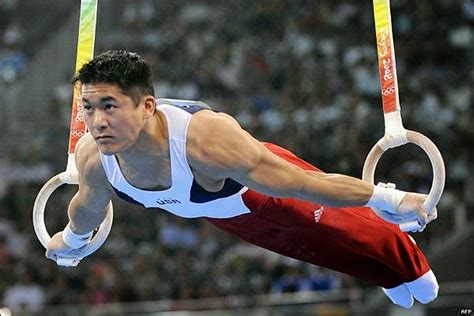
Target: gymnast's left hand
pixel 412 206
pixel 409 209
pixel 400 207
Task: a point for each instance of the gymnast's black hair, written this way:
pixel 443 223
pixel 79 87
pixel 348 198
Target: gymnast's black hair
pixel 125 69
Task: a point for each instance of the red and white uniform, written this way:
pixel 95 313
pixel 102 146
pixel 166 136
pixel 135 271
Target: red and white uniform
pixel 351 240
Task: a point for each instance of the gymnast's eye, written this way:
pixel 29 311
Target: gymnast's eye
pixel 109 106
pixel 87 107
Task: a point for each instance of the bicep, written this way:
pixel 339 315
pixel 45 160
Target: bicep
pixel 94 191
pixel 88 208
pixel 231 152
pixel 92 198
pixel 273 175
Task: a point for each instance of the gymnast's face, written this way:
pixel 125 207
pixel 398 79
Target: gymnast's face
pixel 112 117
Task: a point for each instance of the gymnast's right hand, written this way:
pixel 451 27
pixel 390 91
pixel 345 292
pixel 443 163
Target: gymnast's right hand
pixel 61 248
pixel 57 248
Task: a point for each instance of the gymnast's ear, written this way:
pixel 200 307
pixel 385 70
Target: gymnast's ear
pixel 149 106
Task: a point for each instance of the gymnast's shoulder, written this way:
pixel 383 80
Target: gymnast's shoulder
pixel 87 159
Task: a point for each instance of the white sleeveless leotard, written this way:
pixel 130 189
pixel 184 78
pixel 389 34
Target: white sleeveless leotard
pixel 185 197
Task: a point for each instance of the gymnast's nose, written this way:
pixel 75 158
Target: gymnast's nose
pixel 100 121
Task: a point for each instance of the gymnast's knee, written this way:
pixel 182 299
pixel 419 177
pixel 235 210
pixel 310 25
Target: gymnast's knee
pixel 425 288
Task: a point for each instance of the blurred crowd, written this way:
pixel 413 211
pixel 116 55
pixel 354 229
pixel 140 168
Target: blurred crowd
pixel 12 56
pixel 302 74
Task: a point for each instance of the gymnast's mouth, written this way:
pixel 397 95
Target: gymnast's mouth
pixel 103 138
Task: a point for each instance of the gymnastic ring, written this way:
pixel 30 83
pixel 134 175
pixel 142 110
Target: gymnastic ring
pixel 439 174
pixel 43 235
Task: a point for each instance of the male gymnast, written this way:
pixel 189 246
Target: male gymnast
pixel 183 157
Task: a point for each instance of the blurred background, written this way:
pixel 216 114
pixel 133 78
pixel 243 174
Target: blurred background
pixel 302 74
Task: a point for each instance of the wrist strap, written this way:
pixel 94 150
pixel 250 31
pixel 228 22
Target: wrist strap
pixel 386 198
pixel 73 240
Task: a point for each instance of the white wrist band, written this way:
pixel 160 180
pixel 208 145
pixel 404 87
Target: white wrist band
pixel 73 240
pixel 386 199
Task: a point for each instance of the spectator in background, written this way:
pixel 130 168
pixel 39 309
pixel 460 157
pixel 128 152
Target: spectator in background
pixel 12 57
pixel 26 294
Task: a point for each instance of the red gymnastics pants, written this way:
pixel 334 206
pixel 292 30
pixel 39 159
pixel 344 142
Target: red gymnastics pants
pixel 351 240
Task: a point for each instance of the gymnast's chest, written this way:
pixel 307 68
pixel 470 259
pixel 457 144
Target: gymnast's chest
pixel 188 199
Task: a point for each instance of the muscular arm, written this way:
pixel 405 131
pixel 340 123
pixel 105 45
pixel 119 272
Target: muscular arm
pixel 357 192
pixel 221 149
pixel 88 207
